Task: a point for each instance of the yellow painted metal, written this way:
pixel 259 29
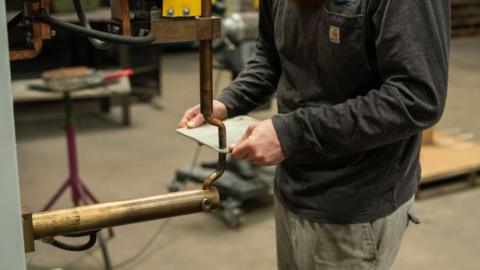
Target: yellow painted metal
pixel 179 7
pixel 256 4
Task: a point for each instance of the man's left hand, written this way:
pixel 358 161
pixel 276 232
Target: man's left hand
pixel 259 145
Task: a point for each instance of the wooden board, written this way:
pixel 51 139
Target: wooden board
pixel 428 136
pixel 449 157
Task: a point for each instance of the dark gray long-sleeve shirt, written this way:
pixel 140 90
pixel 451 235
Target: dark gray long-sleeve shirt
pixel 356 82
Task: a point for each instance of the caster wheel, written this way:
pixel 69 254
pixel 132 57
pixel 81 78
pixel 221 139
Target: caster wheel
pixel 233 217
pixel 175 186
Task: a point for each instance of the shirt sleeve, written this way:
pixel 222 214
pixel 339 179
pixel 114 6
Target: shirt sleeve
pixel 412 47
pixel 258 81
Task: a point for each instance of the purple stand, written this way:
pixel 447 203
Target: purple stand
pixel 81 195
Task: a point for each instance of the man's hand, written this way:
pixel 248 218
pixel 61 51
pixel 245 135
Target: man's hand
pixel 193 118
pixel 259 145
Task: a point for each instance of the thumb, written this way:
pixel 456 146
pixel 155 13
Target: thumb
pixel 243 138
pixel 196 121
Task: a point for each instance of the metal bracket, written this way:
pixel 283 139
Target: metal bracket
pixel 40 31
pixel 28 238
pixel 178 30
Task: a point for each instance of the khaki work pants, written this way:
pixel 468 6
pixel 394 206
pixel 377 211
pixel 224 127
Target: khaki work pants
pixel 308 245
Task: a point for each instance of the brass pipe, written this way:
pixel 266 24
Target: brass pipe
pixel 206 68
pixel 222 157
pixel 99 216
pixel 206 98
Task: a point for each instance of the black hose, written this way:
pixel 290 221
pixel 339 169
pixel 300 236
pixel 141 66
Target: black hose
pixel 77 235
pixel 90 33
pixel 99 44
pixel 91 242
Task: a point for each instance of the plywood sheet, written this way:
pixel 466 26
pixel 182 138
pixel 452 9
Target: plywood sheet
pixel 448 157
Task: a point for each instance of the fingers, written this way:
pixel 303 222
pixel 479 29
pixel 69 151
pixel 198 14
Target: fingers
pixel 189 115
pixel 250 129
pixel 246 150
pixel 196 121
pixel 242 149
pixel 244 137
pixel 193 117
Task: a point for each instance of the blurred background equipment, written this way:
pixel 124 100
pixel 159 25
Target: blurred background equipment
pixel 465 18
pixel 238 37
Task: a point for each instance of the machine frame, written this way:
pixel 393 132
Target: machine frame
pixel 87 220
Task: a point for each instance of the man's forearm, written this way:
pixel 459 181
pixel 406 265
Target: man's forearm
pixel 412 44
pixel 258 81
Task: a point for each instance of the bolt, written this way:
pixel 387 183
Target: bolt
pixel 206 206
pixel 170 12
pixel 186 12
pixel 115 29
pixel 28 37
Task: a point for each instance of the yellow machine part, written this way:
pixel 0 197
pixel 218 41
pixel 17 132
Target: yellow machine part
pixel 256 4
pixel 177 8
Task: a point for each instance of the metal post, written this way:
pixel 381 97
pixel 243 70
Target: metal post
pixel 206 97
pixel 12 254
pixel 104 215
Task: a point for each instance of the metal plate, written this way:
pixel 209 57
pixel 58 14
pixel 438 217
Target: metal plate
pixel 177 30
pixel 208 135
pixel 182 8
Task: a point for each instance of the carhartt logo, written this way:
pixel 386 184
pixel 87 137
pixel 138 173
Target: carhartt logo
pixel 334 34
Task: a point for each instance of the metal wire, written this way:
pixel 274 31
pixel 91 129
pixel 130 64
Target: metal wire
pixel 69 247
pixel 90 33
pixel 99 44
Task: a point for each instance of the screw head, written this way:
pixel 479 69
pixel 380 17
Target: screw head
pixel 206 206
pixel 115 29
pixel 170 12
pixel 186 12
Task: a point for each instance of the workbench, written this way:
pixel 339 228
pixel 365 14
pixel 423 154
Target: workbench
pixel 120 90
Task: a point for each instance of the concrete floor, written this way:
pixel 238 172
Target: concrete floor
pixel 120 163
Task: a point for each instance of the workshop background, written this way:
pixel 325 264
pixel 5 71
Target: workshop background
pixel 128 147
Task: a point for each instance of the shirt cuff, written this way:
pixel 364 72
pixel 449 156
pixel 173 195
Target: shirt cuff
pixel 232 103
pixel 289 132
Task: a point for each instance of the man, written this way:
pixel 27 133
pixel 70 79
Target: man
pixel 356 82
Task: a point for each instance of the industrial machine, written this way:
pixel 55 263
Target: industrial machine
pixel 243 184
pixel 139 22
pixel 239 32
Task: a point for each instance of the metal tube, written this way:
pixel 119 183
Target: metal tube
pixel 206 88
pixel 99 216
pixel 206 67
pixel 206 98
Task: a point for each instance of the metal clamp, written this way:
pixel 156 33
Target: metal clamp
pixel 175 30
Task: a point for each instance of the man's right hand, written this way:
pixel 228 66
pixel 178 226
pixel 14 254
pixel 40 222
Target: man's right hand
pixel 193 118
